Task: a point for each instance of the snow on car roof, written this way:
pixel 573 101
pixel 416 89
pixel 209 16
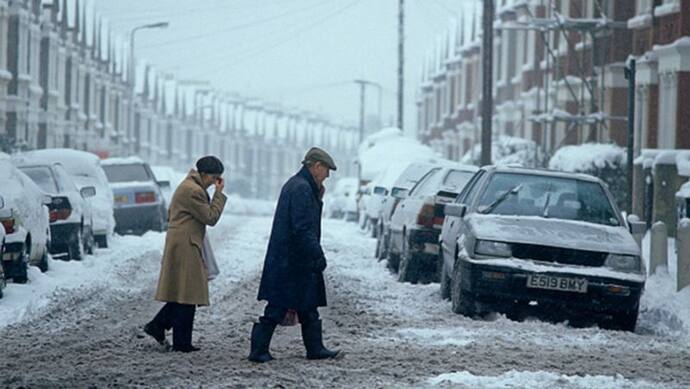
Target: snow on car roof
pixel 122 161
pixel 74 161
pixel 541 172
pixel 392 151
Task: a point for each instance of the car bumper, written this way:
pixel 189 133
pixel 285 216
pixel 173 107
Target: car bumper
pixel 424 242
pixel 502 286
pixel 61 236
pixel 139 218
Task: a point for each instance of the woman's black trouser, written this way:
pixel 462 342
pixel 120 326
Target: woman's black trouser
pixel 179 317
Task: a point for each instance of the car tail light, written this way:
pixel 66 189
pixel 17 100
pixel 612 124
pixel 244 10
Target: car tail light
pixel 8 224
pixel 430 216
pixel 145 197
pixel 60 209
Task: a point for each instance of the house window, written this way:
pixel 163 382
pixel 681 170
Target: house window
pixel 668 95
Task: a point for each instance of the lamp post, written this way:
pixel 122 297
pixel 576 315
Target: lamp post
pixel 363 84
pixel 131 71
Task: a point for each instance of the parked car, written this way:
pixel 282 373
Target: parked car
pixel 71 216
pixel 400 188
pixel 416 223
pixel 85 170
pixel 139 202
pixel 25 219
pixel 168 179
pixel 342 202
pixel 2 247
pixel 521 239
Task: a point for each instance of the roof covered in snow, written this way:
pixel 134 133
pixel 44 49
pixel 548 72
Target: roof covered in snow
pixel 122 161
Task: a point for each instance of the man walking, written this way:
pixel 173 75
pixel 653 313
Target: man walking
pixel 292 277
pixel 183 282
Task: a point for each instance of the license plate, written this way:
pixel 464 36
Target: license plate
pixel 121 199
pixel 541 281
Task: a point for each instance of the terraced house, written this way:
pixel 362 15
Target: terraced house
pixel 68 81
pixel 559 75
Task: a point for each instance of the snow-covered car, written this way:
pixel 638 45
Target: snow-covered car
pixel 2 247
pixel 25 218
pixel 139 202
pixel 342 202
pixel 85 169
pixel 519 239
pixel 416 223
pixel 399 189
pixel 168 179
pixel 71 215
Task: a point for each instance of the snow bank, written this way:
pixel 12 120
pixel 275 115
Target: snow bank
pixel 586 157
pixel 23 302
pixel 537 379
pixel 505 150
pixel 389 148
pixel 666 311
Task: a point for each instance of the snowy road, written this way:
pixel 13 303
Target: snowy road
pixel 394 335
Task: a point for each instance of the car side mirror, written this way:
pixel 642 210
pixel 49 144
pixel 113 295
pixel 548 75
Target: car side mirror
pixel 453 209
pixel 636 226
pixel 87 192
pixel 401 194
pixel 163 184
pixel 47 199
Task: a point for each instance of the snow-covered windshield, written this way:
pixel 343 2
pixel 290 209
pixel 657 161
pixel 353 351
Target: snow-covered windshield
pixel 43 177
pixel 126 173
pixel 457 179
pixel 549 197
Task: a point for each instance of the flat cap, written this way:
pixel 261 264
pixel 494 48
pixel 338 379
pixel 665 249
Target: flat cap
pixel 316 154
pixel 209 165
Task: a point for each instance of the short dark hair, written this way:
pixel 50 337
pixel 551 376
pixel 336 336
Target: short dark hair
pixel 209 165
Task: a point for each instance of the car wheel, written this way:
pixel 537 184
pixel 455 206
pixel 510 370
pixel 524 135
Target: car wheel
pixel 624 320
pixel 75 248
pixel 377 253
pixel 89 242
pixel 462 302
pixel 102 241
pixel 445 281
pixel 409 266
pixel 22 276
pixel 43 265
pixel 374 229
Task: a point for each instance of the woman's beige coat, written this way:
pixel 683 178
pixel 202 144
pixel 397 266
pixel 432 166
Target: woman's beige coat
pixel 183 277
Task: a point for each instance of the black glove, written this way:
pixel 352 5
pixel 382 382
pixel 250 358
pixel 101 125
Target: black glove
pixel 320 264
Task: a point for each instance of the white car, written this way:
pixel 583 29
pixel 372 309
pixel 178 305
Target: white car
pixel 168 179
pixel 85 169
pixel 25 219
pixel 2 249
pixel 342 202
pixel 71 217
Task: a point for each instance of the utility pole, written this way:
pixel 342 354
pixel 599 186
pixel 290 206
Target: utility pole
pixel 362 96
pixel 487 79
pixel 401 64
pixel 630 71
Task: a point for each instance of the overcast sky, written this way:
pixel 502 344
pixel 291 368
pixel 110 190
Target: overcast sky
pixel 301 53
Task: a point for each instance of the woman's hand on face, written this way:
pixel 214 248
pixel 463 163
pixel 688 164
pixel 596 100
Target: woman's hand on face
pixel 220 184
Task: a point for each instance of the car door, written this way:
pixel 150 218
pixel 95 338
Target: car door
pixel 403 212
pixel 453 226
pixel 79 204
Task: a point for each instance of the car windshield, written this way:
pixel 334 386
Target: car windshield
pixel 126 173
pixel 43 177
pixel 548 197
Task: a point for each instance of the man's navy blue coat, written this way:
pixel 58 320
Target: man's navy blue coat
pixel 289 278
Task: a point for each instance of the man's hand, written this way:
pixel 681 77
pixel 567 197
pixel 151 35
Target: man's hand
pixel 320 265
pixel 220 184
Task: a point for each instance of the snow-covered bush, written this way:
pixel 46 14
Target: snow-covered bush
pixel 606 161
pixel 506 150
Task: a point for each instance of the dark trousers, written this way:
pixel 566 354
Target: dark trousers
pixel 274 315
pixel 179 317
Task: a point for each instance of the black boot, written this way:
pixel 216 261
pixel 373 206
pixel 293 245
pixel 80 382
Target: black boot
pixel 261 340
pixel 313 341
pixel 188 348
pixel 152 329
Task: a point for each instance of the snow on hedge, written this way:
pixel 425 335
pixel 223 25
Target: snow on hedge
pixel 587 157
pixel 684 191
pixel 389 147
pixel 652 157
pixel 505 150
pixel 122 161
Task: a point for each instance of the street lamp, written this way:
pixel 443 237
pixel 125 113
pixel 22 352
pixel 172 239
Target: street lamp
pixel 132 72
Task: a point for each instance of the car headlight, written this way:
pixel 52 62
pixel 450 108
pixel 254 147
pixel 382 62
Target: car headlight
pixel 626 263
pixel 492 249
